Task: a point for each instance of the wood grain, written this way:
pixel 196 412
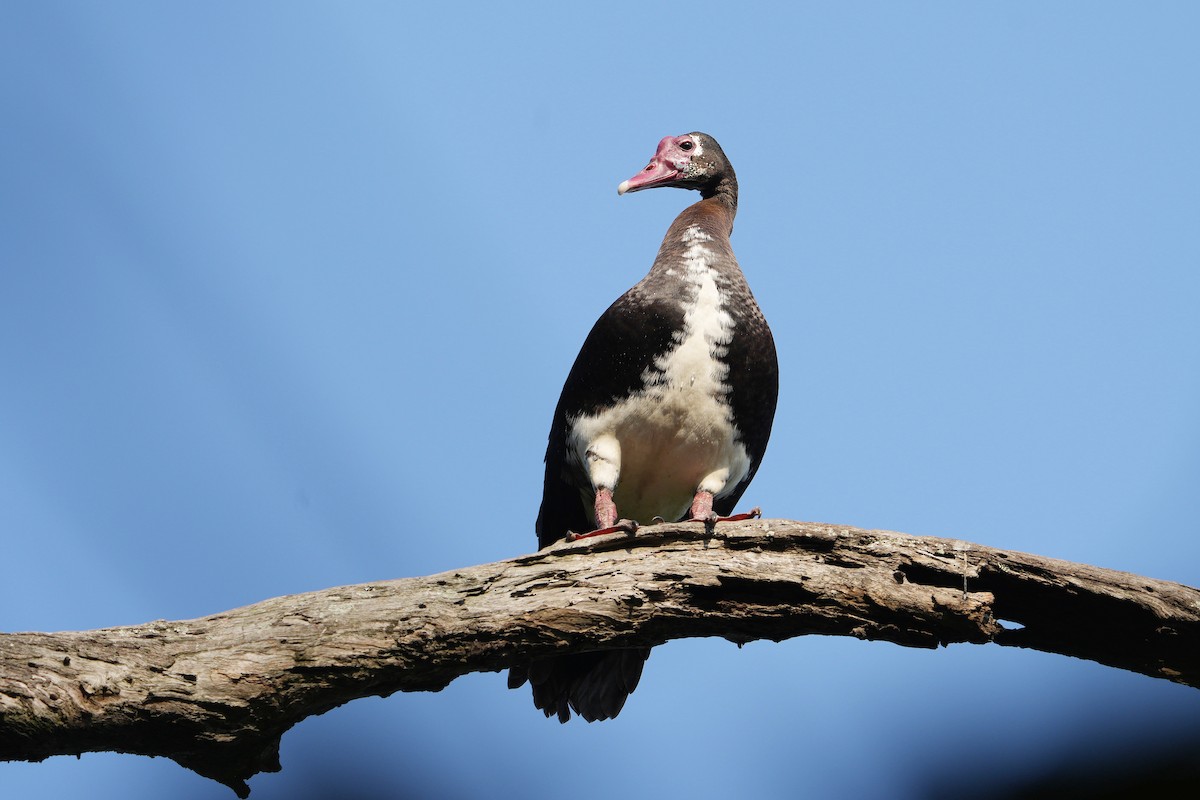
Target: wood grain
pixel 216 694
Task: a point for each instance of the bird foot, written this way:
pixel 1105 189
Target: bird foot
pixel 711 519
pixel 622 526
pixel 753 513
pixel 702 511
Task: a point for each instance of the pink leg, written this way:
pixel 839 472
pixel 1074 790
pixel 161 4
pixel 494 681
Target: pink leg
pixel 606 518
pixel 702 511
pixel 702 508
pixel 606 509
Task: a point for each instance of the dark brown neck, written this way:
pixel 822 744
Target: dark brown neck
pixel 713 214
pixel 725 191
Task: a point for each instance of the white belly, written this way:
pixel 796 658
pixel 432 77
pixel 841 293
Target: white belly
pixel 657 448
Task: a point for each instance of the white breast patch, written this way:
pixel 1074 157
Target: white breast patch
pixel 675 436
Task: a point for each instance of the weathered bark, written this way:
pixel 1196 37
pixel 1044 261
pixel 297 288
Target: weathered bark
pixel 216 694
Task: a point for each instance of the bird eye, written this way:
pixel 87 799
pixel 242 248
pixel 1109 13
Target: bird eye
pixel 686 145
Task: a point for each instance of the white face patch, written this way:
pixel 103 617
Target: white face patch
pixel 686 163
pixel 676 435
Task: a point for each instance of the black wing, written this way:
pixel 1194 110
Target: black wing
pixel 754 385
pixel 640 326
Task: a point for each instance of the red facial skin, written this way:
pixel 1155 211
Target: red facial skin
pixel 667 166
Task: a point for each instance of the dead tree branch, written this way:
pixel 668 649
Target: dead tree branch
pixel 216 694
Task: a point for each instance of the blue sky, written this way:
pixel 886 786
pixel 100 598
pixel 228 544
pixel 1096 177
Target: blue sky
pixel 288 292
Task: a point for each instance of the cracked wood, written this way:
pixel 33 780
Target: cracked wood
pixel 216 694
